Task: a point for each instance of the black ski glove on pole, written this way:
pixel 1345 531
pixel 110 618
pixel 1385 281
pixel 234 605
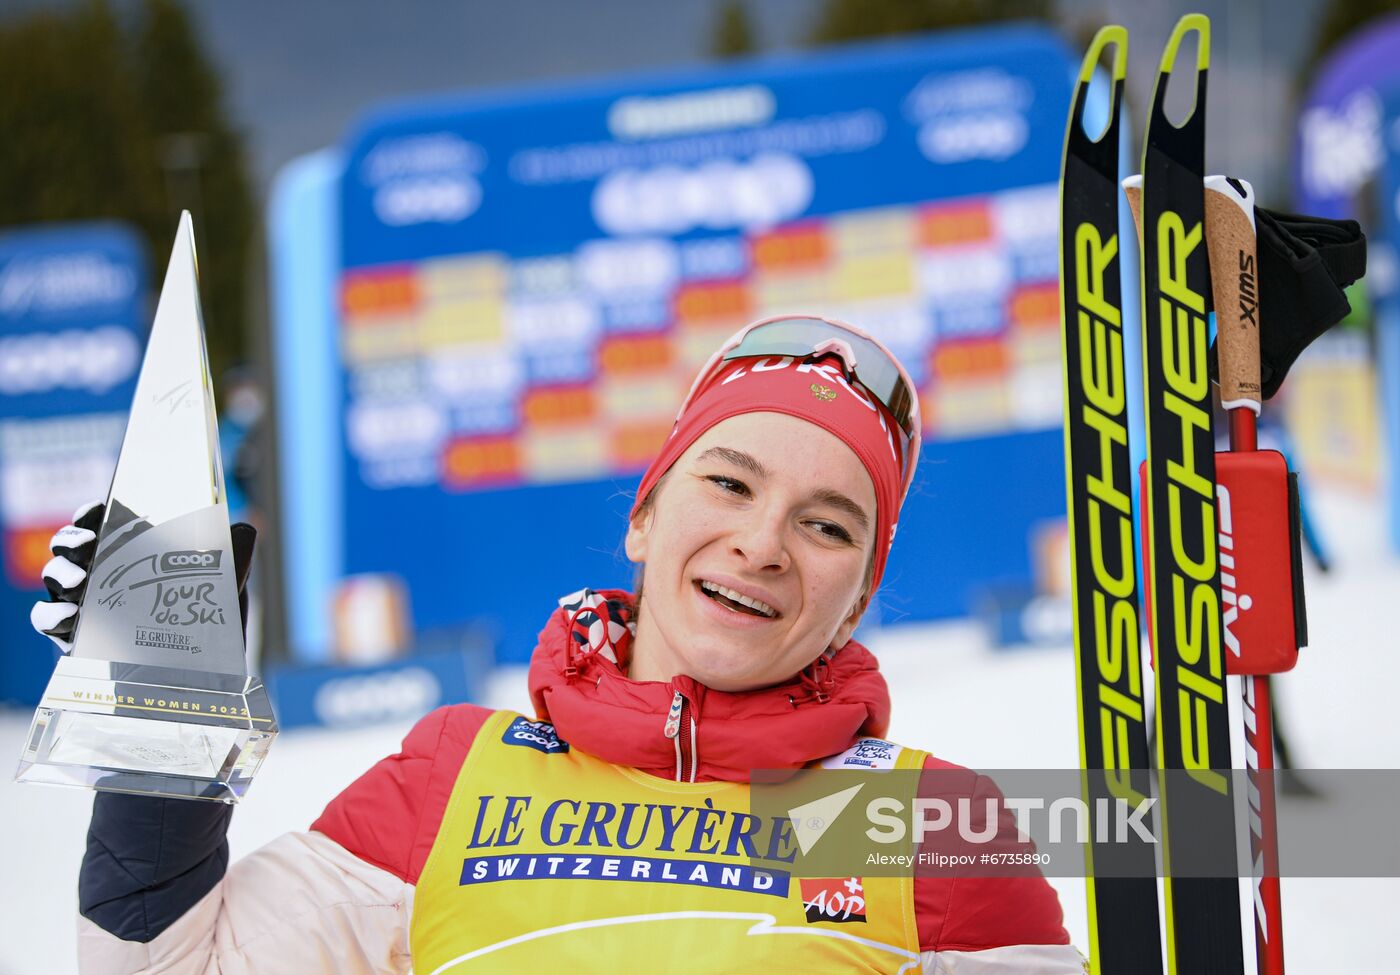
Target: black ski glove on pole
pixel 1304 265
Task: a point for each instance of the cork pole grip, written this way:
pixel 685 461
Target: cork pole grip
pixel 1132 189
pixel 1234 275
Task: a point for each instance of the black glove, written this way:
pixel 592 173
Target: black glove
pixel 149 859
pixel 66 574
pixel 1304 265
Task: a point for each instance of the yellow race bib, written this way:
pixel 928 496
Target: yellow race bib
pixel 549 858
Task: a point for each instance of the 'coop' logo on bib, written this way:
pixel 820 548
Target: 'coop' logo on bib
pixel 535 734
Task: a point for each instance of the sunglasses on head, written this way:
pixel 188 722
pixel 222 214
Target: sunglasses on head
pixel 864 358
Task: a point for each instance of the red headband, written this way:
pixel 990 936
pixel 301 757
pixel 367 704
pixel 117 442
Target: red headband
pixel 813 391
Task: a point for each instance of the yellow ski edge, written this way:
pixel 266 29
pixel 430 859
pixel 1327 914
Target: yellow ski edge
pixel 1200 24
pixel 1115 35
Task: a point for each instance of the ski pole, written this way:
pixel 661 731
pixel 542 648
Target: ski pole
pixel 1231 242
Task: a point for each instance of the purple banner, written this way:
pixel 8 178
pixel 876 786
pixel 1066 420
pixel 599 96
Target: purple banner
pixel 1339 126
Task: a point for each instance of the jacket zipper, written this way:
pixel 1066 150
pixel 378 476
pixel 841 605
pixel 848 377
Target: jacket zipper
pixel 680 728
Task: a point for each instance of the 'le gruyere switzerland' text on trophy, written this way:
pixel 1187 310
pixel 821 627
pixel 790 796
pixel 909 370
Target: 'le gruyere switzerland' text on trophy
pixel 156 697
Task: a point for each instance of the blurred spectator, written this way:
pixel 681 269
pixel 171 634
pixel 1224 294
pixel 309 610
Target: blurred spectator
pixel 240 442
pixel 241 439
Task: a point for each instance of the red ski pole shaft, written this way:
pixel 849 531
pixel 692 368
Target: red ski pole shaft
pixel 1230 237
pixel 1259 740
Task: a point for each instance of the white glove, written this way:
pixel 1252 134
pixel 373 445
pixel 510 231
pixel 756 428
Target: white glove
pixel 65 576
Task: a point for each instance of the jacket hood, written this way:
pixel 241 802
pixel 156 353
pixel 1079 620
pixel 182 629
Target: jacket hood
pixel 578 684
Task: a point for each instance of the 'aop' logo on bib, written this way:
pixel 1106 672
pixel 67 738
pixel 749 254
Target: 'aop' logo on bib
pixel 837 899
pixel 535 734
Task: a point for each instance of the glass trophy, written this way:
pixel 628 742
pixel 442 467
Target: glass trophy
pixel 156 697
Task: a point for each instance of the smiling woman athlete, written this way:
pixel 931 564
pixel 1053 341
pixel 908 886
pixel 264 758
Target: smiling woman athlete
pixel 611 831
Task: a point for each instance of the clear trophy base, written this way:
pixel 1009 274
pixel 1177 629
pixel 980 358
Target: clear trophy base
pixel 120 727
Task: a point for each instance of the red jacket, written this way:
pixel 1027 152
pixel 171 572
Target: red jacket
pixel 340 897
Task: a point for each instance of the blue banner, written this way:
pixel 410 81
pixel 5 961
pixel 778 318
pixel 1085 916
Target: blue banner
pixel 72 328
pixel 1384 275
pixel 530 282
pixel 345 696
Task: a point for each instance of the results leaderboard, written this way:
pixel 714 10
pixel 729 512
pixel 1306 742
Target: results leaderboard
pixel 479 370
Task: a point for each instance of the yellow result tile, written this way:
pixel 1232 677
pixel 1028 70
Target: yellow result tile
pixel 457 322
pixel 469 274
pixel 694 346
pixel 386 339
pixel 641 398
pixel 873 275
pixel 1033 347
pixel 870 231
pixel 565 454
pixel 782 293
pixel 963 409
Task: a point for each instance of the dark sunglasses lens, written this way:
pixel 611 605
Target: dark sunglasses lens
pixel 799 336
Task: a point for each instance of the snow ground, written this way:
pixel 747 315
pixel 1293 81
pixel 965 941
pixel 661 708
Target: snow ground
pixel 952 696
